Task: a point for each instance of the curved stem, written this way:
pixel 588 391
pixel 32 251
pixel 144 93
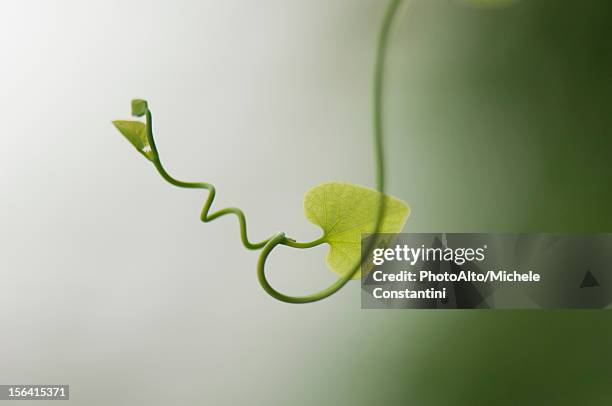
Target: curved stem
pixel 280 239
pixel 263 281
pixel 206 216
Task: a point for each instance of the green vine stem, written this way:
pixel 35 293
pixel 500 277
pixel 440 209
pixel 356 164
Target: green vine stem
pixel 272 242
pixel 206 216
pixel 378 91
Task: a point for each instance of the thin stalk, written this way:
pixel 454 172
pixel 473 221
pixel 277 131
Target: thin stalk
pixel 378 93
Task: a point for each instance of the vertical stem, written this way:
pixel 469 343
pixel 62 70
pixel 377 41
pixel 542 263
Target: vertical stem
pixel 378 93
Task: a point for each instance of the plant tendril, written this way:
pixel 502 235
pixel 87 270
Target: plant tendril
pixel 205 216
pixel 277 239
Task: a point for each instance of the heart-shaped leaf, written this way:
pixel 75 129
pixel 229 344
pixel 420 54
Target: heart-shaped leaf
pixel 345 211
pixel 136 133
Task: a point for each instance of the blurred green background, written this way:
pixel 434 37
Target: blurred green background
pixel 500 122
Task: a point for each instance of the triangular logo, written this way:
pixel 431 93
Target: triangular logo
pixel 589 280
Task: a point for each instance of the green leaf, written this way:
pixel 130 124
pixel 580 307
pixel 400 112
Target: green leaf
pixel 136 133
pixel 345 211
